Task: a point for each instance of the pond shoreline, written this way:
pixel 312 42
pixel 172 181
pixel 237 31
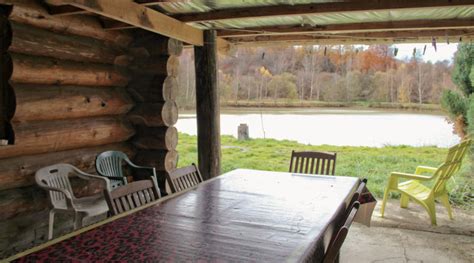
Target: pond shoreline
pixel 334 126
pixel 299 105
pixel 321 104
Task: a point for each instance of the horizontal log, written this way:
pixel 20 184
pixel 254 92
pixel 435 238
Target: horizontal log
pixel 39 42
pixel 54 136
pixel 161 160
pixel 26 200
pixel 39 102
pixel 37 70
pixel 146 88
pixel 163 65
pixel 154 114
pixel 33 13
pixel 157 45
pixel 163 138
pixel 19 171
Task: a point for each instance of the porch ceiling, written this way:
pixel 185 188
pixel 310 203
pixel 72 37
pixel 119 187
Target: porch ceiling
pixel 321 21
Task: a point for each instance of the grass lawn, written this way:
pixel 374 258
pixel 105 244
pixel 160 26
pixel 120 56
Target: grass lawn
pixel 375 164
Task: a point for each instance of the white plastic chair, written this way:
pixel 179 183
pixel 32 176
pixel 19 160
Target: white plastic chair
pixel 55 179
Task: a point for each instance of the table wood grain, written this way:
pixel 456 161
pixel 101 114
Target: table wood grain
pixel 243 215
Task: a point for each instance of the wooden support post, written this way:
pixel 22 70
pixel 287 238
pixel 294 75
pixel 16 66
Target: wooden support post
pixel 207 107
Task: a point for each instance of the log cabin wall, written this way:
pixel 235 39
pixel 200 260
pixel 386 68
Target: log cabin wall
pixel 79 90
pixel 154 89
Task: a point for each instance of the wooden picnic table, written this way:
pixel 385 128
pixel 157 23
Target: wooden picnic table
pixel 243 215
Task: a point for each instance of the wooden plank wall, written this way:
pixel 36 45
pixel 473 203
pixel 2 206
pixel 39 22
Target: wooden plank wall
pixel 79 90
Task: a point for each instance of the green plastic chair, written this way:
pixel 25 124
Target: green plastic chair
pixel 414 188
pixel 109 164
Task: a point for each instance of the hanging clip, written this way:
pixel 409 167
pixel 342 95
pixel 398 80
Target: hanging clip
pixel 433 42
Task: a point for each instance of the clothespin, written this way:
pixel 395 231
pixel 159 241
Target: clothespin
pixel 325 51
pixel 414 52
pixel 460 39
pixel 395 52
pixel 424 50
pixel 433 42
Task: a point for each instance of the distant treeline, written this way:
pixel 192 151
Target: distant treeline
pixel 327 74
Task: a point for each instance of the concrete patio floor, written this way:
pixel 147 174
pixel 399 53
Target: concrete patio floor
pixel 405 235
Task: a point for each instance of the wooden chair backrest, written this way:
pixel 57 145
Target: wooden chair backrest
pixel 335 246
pixel 130 196
pixel 184 178
pixel 451 165
pixel 56 176
pixel 313 163
pixel 356 195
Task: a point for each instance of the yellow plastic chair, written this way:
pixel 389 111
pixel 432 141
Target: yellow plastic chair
pixel 415 190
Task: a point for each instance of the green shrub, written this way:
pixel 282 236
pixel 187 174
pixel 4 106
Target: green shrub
pixel 470 116
pixel 455 103
pixel 463 63
pixel 470 129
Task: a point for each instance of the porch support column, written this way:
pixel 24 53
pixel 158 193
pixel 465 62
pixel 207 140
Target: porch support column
pixel 207 107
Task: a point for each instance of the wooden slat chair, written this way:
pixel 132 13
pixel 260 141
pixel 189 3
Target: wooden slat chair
pixel 356 195
pixel 332 253
pixel 184 178
pixel 109 164
pixel 55 179
pixel 130 196
pixel 313 163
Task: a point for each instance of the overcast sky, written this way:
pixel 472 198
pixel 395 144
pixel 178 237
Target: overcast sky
pixel 444 51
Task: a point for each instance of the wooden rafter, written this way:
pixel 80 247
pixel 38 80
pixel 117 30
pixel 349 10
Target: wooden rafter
pixel 108 24
pixel 362 38
pixel 71 10
pixel 350 28
pixel 156 2
pixel 65 10
pixel 318 8
pixel 140 16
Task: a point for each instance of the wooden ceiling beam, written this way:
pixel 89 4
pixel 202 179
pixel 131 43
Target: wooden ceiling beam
pixel 108 24
pixel 385 37
pixel 140 16
pixel 353 27
pixel 330 42
pixel 318 8
pixel 67 10
pixel 157 2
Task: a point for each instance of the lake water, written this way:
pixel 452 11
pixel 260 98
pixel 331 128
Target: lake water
pixel 340 127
